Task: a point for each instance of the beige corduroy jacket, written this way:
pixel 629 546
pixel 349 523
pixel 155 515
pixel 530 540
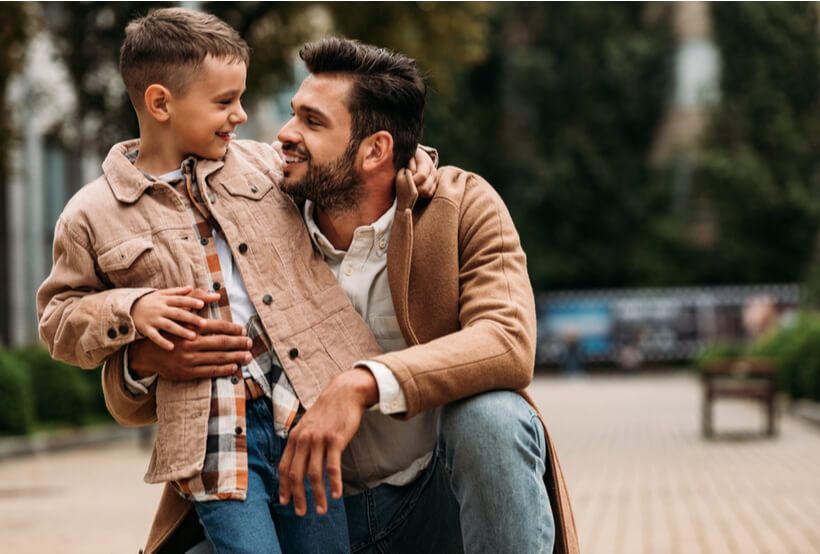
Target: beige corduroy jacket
pixel 465 306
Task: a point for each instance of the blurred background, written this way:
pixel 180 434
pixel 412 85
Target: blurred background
pixel 661 162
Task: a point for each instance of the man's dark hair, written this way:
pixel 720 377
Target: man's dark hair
pixel 387 94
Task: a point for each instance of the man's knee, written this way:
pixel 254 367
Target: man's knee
pixel 489 421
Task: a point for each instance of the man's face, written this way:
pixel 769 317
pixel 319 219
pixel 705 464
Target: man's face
pixel 204 118
pixel 320 160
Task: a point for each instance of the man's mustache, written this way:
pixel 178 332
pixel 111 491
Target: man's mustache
pixel 289 147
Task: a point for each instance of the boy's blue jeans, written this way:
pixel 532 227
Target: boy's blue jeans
pixel 261 525
pixel 483 491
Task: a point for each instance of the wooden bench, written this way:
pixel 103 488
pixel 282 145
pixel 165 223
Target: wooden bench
pixel 750 378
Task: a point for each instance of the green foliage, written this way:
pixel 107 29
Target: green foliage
pixel 16 399
pixel 61 393
pixel 717 352
pixel 760 171
pixel 797 350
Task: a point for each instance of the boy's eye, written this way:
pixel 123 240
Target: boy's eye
pixel 226 102
pixel 313 122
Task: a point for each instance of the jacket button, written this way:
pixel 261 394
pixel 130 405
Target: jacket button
pixel 112 333
pixel 293 353
pixel 124 329
pixel 217 286
pixel 267 299
pixel 234 379
pixel 243 248
pixel 238 431
pixel 254 189
pixel 203 241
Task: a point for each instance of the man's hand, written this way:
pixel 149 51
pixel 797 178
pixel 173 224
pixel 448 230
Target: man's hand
pixel 218 350
pixel 320 436
pixel 425 174
pixel 167 310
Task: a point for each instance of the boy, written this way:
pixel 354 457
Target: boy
pixel 187 205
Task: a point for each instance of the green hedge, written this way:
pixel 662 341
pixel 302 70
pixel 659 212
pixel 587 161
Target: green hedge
pixel 16 398
pixel 796 348
pixel 36 388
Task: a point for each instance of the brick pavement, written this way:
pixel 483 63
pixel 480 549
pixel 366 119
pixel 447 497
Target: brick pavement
pixel 641 479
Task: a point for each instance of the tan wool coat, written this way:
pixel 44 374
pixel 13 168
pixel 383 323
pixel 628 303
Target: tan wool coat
pixel 465 306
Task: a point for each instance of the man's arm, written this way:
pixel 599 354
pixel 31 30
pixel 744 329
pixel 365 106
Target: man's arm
pixel 82 320
pixel 219 348
pixel 495 347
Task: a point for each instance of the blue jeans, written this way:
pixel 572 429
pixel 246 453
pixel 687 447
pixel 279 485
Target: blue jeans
pixel 482 492
pixel 261 524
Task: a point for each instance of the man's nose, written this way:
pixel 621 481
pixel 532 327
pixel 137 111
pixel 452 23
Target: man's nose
pixel 288 133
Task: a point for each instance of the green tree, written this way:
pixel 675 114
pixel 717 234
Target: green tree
pixel 760 171
pixel 560 118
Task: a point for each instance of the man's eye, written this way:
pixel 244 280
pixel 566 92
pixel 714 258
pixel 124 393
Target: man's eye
pixel 313 122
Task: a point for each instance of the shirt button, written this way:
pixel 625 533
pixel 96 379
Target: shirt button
pixel 217 286
pixel 348 271
pixel 238 431
pixel 267 299
pixel 293 353
pixel 243 248
pixel 112 333
pixel 234 379
pixel 382 243
pixel 124 329
pixel 204 241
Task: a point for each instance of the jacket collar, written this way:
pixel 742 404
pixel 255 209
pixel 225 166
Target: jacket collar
pixel 406 191
pixel 128 183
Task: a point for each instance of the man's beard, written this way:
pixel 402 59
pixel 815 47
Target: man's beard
pixel 334 186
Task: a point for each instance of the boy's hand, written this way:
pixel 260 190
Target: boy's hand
pixel 165 310
pixel 425 174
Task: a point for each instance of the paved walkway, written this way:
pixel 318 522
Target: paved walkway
pixel 641 479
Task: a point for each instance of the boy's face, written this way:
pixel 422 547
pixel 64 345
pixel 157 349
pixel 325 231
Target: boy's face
pixel 204 118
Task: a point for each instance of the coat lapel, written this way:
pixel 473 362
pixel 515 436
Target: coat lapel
pixel 400 251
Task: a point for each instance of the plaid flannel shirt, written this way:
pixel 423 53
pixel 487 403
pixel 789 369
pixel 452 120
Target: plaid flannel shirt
pixel 224 474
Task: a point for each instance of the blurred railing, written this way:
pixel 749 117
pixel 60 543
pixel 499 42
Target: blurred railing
pixel 632 326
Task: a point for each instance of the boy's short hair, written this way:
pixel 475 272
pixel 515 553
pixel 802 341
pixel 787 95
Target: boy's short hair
pixel 168 45
pixel 388 93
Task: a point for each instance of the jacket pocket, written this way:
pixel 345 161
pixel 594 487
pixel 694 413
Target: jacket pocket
pixel 132 262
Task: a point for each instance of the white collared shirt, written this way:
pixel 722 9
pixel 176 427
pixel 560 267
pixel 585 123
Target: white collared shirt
pixel 385 449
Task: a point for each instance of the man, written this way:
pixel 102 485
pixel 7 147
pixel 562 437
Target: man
pixel 450 460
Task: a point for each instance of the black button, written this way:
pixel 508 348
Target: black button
pixel 112 333
pixel 254 189
pixel 234 379
pixel 124 329
pixel 238 431
pixel 204 241
pixel 217 286
pixel 267 299
pixel 293 353
pixel 243 248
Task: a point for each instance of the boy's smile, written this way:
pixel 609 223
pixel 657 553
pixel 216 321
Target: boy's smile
pixel 204 118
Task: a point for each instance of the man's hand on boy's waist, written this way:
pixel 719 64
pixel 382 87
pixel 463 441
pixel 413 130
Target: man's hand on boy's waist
pixel 218 349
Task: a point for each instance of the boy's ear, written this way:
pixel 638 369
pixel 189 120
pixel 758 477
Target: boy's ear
pixel 377 150
pixel 156 99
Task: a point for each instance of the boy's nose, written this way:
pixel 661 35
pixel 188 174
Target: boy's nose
pixel 239 116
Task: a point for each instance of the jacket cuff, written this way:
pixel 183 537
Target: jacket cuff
pixel 116 326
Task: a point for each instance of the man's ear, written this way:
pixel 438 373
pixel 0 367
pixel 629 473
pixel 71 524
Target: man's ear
pixel 156 100
pixel 377 151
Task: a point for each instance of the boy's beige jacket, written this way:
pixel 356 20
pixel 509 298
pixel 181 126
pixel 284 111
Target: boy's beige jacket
pixel 464 302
